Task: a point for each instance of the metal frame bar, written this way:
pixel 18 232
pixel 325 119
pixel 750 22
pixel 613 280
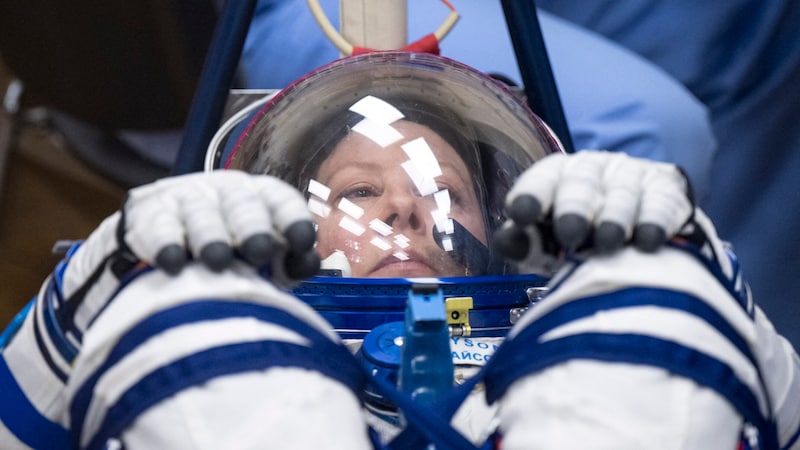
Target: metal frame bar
pixel 534 66
pixel 215 82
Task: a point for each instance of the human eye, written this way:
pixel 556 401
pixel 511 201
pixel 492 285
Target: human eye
pixel 359 192
pixel 445 199
pixel 455 196
pixel 452 192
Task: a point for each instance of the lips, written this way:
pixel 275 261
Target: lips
pixel 414 266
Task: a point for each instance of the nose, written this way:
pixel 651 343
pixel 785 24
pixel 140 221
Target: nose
pixel 403 209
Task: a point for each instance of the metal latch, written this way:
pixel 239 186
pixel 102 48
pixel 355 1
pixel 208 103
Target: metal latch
pixel 457 309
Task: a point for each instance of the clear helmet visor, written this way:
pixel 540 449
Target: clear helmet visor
pixel 405 159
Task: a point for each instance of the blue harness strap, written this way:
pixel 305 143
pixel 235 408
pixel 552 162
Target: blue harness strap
pixel 323 355
pixel 524 354
pixel 429 424
pixel 23 419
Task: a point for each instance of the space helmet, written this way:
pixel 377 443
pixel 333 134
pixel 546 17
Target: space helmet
pixel 405 159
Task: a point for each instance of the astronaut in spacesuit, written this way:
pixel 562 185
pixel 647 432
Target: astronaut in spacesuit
pixel 187 319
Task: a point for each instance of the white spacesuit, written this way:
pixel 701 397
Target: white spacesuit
pixel 435 204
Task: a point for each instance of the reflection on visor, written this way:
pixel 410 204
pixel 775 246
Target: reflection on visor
pixel 429 191
pixel 378 117
pixel 386 240
pixel 421 166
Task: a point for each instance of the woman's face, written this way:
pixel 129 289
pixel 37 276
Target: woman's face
pixel 384 203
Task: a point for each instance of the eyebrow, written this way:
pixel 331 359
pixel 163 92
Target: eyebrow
pixel 454 170
pixel 363 165
pixel 371 166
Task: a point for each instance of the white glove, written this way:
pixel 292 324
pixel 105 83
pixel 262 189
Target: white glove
pixel 212 218
pixel 596 202
pixel 207 216
pixel 598 199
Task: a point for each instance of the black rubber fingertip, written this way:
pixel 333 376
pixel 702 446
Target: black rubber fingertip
pixel 525 209
pixel 301 236
pixel 171 259
pixel 609 237
pixel 216 255
pixel 257 249
pixel 512 242
pixel 302 265
pixel 571 230
pixel 649 237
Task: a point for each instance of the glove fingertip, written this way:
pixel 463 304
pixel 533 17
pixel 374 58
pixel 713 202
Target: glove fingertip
pixel 171 259
pixel 512 242
pixel 571 230
pixel 301 236
pixel 299 266
pixel 649 237
pixel 525 209
pixel 257 249
pixel 216 255
pixel 609 237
